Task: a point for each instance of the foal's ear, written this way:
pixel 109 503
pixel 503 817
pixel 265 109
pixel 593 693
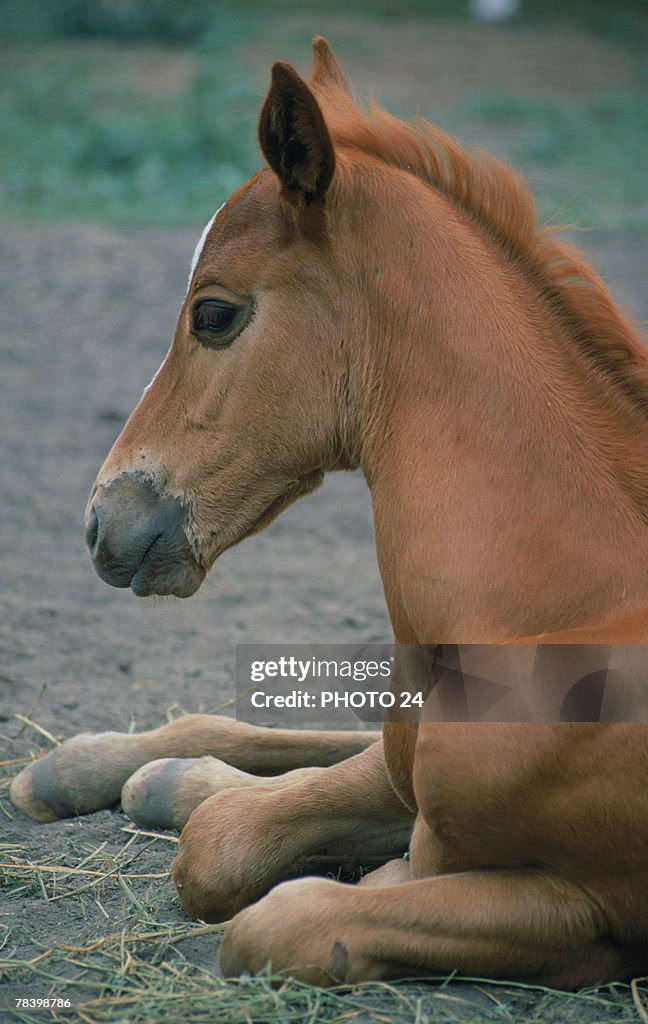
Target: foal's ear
pixel 326 74
pixel 295 140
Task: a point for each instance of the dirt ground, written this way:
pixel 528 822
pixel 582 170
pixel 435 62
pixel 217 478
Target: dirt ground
pixel 86 313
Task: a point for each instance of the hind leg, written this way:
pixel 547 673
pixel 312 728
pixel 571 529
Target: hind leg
pixel 88 772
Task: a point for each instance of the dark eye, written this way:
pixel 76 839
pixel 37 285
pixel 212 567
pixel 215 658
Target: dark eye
pixel 213 320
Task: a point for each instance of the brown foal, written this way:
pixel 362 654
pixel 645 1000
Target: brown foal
pixel 376 297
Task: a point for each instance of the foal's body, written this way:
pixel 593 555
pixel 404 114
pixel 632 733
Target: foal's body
pixel 496 401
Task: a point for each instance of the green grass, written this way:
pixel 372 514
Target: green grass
pixel 87 132
pixel 78 142
pixel 159 21
pixel 168 21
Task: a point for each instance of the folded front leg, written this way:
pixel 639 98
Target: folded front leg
pixel 516 924
pixel 240 843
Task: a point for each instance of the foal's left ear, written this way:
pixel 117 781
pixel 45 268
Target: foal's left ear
pixel 295 140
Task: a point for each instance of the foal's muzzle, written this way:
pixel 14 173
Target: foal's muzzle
pixel 137 538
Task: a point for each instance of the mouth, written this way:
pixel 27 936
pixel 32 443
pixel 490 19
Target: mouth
pixel 158 573
pixel 161 575
pixel 137 539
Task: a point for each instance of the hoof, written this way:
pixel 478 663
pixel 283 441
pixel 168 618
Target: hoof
pixel 164 792
pixel 33 793
pixel 148 796
pixel 84 774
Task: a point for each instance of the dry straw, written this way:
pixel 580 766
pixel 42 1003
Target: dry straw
pixel 135 966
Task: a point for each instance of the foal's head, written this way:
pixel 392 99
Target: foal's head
pixel 388 302
pixel 251 404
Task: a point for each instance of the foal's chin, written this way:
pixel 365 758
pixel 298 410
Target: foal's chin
pixel 180 579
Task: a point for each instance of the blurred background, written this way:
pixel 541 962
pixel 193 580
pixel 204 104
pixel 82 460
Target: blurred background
pixel 123 125
pixel 144 110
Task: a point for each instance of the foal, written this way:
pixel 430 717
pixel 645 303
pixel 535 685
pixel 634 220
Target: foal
pixel 378 298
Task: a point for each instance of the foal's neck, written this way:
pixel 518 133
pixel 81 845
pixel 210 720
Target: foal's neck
pixel 509 482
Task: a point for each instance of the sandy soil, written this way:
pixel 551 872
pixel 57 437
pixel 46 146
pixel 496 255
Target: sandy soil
pixel 85 317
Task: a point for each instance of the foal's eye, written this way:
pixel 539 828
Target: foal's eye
pixel 213 320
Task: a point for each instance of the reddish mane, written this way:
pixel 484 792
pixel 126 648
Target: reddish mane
pixel 499 201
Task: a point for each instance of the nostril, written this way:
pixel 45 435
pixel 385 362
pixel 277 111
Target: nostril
pixel 92 528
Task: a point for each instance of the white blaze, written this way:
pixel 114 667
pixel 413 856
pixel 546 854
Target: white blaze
pixel 155 376
pixel 194 263
pixel 201 245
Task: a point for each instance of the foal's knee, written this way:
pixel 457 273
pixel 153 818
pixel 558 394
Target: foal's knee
pixel 230 854
pixel 201 868
pixel 309 928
